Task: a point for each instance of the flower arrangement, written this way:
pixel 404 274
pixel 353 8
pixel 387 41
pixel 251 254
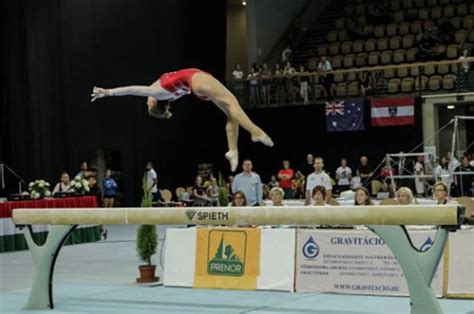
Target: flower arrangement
pixel 39 189
pixel 80 185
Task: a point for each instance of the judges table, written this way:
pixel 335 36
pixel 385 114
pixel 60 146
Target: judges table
pixel 12 239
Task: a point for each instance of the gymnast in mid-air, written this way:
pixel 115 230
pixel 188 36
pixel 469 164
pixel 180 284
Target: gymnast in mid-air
pixel 173 85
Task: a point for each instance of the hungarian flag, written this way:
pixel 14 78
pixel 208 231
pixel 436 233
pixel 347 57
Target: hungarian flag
pixel 345 115
pixel 393 111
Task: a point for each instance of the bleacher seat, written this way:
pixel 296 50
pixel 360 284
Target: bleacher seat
pixel 332 36
pixel 402 72
pixel 411 54
pixel 386 57
pixel 341 89
pixel 389 73
pixel 468 22
pixel 399 56
pixel 334 49
pixel 429 69
pixel 349 60
pixel 392 29
pixel 407 85
pixel 421 83
pixel 415 27
pixel 379 31
pixel 337 61
pixel 457 22
pixel 361 59
pixel 408 41
pixel 360 9
pixel 449 81
pixel 318 91
pixel 351 76
pixel 431 3
pixel 443 68
pixel 471 8
pixel 395 42
pixel 342 35
pixel 404 28
pixel 323 50
pixel 370 45
pixel 435 82
pixel 448 11
pixel 340 24
pixel 395 5
pixel 338 77
pixel 419 3
pixel 346 47
pixel 374 58
pixel 358 46
pixel 423 14
pixel 443 2
pixel 393 86
pixel 460 36
pixel 382 44
pixel 353 89
pixel 452 52
pixel 462 9
pixel 436 13
pixel 369 29
pixel 399 16
pixel 407 4
pixel 414 71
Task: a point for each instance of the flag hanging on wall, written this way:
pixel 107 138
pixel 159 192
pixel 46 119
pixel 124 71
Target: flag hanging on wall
pixel 345 115
pixel 393 111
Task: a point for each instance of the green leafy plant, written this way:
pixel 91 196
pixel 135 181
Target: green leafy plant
pixel 147 238
pixel 223 192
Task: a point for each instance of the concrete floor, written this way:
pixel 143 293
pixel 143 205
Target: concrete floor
pixel 100 278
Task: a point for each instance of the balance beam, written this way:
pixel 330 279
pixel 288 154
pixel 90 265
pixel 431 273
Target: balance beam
pixel 386 221
pixel 298 216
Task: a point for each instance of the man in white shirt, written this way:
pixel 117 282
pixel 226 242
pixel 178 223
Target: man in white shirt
pixel 343 176
pixel 238 75
pixel 318 178
pixel 285 54
pixel 152 181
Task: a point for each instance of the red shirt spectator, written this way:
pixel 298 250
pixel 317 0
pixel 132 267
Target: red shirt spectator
pixel 286 175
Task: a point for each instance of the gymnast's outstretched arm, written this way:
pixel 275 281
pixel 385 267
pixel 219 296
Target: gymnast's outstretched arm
pixel 136 90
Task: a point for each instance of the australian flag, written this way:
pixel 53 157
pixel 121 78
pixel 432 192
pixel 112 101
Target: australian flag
pixel 345 115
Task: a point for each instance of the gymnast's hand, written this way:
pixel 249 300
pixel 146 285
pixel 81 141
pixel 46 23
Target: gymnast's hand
pixel 98 92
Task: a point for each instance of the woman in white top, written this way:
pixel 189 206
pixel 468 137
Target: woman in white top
pixel 64 186
pixel 464 70
pixel 442 171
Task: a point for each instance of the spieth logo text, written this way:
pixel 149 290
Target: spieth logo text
pixel 202 215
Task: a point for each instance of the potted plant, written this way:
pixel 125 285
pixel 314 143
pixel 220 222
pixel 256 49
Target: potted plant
pixel 147 242
pixel 39 189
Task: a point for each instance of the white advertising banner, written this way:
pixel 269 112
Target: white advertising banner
pixel 461 263
pixel 354 262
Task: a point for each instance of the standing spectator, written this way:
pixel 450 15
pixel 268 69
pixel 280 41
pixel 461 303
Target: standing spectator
pixel 385 176
pixel 83 170
pixel 249 182
pixel 266 75
pixel 278 82
pixel 442 171
pixel 343 176
pixel 254 89
pixel 362 197
pixel 110 189
pixel 364 172
pixel 238 75
pixel 238 199
pixel 152 182
pixel 453 162
pixel 228 186
pixel 405 196
pixel 64 185
pixel 465 66
pixel 273 182
pixel 289 72
pixel 199 195
pixel 94 190
pixel 365 83
pixel 304 79
pixel 286 54
pixel 327 79
pixel 286 176
pixel 308 166
pixel 318 178
pixel 405 168
pixel 297 184
pixel 213 192
pixel 420 171
pixel 463 181
pixel 277 195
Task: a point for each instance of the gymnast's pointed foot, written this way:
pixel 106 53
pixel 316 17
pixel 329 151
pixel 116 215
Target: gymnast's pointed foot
pixel 233 158
pixel 98 92
pixel 260 136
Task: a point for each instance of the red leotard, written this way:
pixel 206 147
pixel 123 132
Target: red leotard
pixel 179 83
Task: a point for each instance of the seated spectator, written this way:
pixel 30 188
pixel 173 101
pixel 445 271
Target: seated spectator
pixel 365 82
pixel 442 171
pixel 420 171
pixel 289 72
pixel 343 176
pixel 405 196
pixel 286 176
pixel 238 199
pixel 327 79
pixel 355 183
pixel 213 192
pixel 64 185
pixel 364 171
pixel 273 182
pixel 277 195
pixel 428 45
pixel 446 31
pixel 199 195
pixel 83 170
pixel 319 196
pixel 440 193
pixel 463 181
pixel 94 190
pixel 297 184
pixel 354 30
pixel 362 197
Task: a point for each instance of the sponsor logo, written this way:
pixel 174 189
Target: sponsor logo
pixel 392 111
pixel 190 213
pixel 201 215
pixel 226 253
pixel 310 249
pixel 426 245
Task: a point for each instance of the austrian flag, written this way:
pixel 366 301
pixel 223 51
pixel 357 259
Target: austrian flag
pixel 393 111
